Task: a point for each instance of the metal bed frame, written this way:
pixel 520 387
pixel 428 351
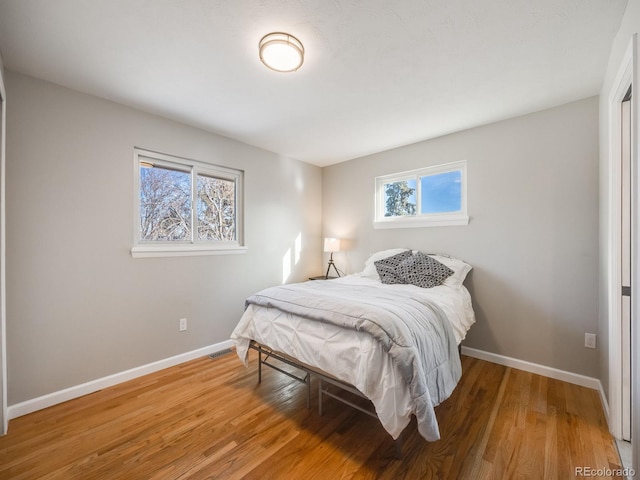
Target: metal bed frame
pixel 265 354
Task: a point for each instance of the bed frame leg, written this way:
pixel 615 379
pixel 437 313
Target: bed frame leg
pixel 320 396
pixel 259 366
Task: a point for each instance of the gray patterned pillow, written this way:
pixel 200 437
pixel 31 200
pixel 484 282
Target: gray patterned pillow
pixel 423 271
pixel 387 267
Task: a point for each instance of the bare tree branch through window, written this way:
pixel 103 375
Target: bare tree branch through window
pixel 187 202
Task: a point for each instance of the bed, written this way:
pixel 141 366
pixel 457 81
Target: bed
pixel 395 342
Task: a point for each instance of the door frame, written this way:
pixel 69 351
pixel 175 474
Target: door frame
pixel 628 234
pixel 4 413
pixel 623 81
pixel 635 266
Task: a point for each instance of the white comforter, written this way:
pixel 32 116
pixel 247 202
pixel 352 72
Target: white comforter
pixel 354 356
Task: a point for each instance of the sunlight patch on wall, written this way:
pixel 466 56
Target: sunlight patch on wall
pixel 291 258
pixel 298 248
pixel 286 266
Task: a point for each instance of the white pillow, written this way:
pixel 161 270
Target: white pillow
pixel 370 270
pixel 460 269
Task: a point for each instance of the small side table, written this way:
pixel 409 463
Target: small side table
pixel 321 277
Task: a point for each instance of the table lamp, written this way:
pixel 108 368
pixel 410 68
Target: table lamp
pixel 331 245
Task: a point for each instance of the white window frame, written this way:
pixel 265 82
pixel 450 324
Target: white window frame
pixel 419 219
pixel 193 246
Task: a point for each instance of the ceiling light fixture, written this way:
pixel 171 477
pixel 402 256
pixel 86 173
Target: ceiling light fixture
pixel 281 52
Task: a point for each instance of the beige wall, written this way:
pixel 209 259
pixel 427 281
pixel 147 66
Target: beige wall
pixel 533 234
pixel 79 306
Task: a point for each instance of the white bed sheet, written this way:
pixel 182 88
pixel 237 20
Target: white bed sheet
pixel 349 355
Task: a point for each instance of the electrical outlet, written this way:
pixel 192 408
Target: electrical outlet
pixel 183 324
pixel 590 340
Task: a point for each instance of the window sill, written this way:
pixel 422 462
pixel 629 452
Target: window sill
pixel 146 251
pixel 432 221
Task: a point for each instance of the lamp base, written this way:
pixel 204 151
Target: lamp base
pixel 331 264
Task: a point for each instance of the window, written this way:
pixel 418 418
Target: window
pixel 184 207
pixel 431 196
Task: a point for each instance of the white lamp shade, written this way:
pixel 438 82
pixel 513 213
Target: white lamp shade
pixel 331 244
pixel 281 52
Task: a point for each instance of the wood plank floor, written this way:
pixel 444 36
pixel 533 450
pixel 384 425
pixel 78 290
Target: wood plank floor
pixel 211 419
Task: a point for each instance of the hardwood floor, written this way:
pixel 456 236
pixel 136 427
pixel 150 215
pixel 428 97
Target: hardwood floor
pixel 211 419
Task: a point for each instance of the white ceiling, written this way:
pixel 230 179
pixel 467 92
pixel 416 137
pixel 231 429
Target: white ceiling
pixel 377 74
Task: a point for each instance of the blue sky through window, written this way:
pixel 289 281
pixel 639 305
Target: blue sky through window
pixel 441 192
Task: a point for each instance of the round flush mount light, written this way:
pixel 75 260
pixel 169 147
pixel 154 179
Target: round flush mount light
pixel 281 52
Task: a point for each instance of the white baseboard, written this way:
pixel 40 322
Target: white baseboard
pixel 70 393
pixel 543 370
pixel 605 404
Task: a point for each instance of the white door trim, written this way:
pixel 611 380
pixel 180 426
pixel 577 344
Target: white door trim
pixel 4 415
pixel 623 80
pixel 626 221
pixel 635 269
